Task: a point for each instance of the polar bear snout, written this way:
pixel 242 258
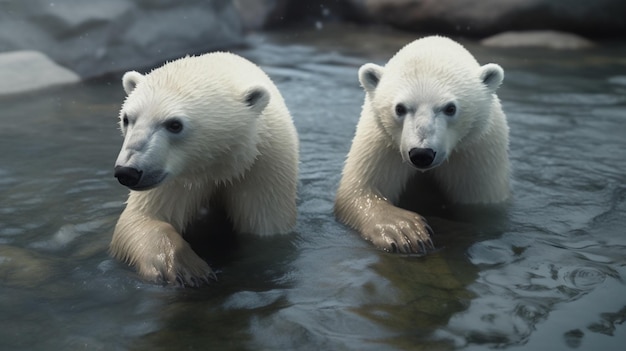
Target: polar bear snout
pixel 422 157
pixel 136 179
pixel 127 176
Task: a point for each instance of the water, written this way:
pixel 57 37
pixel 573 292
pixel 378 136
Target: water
pixel 546 274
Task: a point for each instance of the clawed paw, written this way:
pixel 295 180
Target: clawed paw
pixel 181 276
pixel 406 245
pixel 186 280
pixel 190 272
pixel 401 232
pixel 184 269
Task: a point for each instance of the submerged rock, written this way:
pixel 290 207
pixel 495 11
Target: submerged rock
pixel 22 71
pixel 544 38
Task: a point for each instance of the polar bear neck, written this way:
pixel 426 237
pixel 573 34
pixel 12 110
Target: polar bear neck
pixel 179 201
pixel 484 163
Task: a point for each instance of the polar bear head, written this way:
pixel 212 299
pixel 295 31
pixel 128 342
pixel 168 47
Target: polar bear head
pixel 430 98
pixel 190 119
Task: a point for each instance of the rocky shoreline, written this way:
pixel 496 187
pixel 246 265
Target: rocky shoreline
pixel 73 41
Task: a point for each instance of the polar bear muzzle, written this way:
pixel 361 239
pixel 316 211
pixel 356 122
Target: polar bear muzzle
pixel 422 157
pixel 135 179
pixel 128 176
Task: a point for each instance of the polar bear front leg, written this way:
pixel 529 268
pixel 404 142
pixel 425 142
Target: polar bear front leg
pixel 388 227
pixel 373 179
pixel 158 251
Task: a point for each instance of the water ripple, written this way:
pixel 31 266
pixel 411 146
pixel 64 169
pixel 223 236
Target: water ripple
pixel 584 278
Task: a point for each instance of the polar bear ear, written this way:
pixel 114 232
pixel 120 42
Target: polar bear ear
pixel 491 75
pixel 257 98
pixel 130 81
pixel 369 76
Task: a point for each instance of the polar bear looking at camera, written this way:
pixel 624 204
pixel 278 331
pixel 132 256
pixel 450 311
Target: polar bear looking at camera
pixel 199 131
pixel 431 111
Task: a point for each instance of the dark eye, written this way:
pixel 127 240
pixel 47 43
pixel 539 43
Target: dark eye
pixel 400 110
pixel 174 126
pixel 125 120
pixel 449 109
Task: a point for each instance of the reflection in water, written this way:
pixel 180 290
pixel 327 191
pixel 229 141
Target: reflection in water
pixel 545 273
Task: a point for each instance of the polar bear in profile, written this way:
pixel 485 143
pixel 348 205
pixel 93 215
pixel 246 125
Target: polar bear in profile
pixel 430 112
pixel 200 132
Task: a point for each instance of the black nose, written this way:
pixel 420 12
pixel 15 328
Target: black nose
pixel 422 158
pixel 127 176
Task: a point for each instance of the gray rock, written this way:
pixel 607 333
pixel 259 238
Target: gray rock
pixel 543 38
pixel 487 17
pixel 101 36
pixel 261 14
pixel 22 71
pixel 258 14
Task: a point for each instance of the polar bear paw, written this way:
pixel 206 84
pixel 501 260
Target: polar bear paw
pixel 177 267
pixel 398 230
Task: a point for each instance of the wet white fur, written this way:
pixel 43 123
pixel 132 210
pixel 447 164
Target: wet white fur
pixel 242 155
pixel 471 165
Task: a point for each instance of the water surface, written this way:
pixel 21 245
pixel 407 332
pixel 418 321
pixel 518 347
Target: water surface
pixel 546 273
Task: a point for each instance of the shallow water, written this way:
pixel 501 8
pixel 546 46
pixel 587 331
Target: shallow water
pixel 546 274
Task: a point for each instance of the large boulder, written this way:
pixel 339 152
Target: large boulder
pixel 101 36
pixel 262 14
pixel 258 14
pixel 22 71
pixel 486 17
